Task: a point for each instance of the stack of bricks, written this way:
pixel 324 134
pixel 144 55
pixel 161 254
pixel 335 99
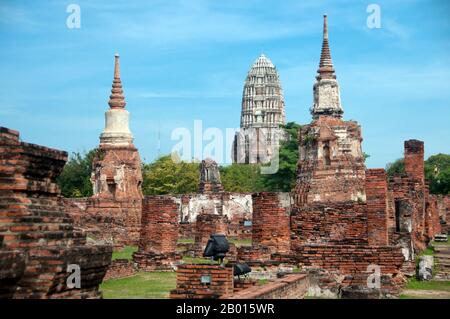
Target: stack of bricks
pixel 208 224
pixel 271 224
pixel 159 234
pixel 337 223
pixel 376 196
pixel 34 223
pixel 203 281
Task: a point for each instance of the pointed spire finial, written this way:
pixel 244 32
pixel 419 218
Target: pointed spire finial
pixel 116 99
pixel 326 70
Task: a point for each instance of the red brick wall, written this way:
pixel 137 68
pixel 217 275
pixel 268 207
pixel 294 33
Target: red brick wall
pixel 338 223
pixel 189 283
pixel 354 260
pixel 159 232
pixel 271 225
pixel 376 196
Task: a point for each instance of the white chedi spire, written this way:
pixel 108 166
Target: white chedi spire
pixel 117 131
pixel 327 100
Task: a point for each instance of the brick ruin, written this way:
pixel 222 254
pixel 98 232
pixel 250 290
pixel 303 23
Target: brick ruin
pixel 38 239
pixel 203 281
pixel 339 221
pixel 159 234
pixel 113 213
pixel 209 177
pixel 345 218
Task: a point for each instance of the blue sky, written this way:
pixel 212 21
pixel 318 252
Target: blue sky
pixel 187 60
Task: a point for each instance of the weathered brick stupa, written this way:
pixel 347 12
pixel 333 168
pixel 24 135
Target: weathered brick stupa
pixel 116 174
pixel 261 116
pixel 331 161
pixel 38 240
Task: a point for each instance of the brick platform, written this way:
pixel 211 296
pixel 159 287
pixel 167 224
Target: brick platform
pixel 190 286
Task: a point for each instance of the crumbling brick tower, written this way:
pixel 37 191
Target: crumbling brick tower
pixel 413 212
pixel 38 240
pixel 209 177
pixel 339 220
pixel 331 161
pixel 116 174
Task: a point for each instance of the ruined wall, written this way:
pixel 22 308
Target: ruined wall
pixel 191 282
pixel 412 211
pixel 235 206
pixel 34 223
pixel 271 224
pixel 352 261
pixel 336 223
pixel 377 215
pixel 331 162
pixel 159 234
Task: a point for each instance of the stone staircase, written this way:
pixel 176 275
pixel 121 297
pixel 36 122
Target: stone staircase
pixel 442 262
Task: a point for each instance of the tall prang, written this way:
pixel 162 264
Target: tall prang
pixel 116 169
pixel 262 115
pixel 331 162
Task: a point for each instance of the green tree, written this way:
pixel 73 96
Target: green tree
pixel 437 172
pixel 244 178
pixel 74 180
pixel 284 179
pixel 164 176
pixel 397 167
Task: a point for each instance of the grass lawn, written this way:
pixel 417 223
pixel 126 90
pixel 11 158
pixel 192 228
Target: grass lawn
pixel 125 253
pixel 415 284
pixel 199 260
pixel 144 285
pixel 240 242
pixel 441 243
pixel 185 240
pixel 237 242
